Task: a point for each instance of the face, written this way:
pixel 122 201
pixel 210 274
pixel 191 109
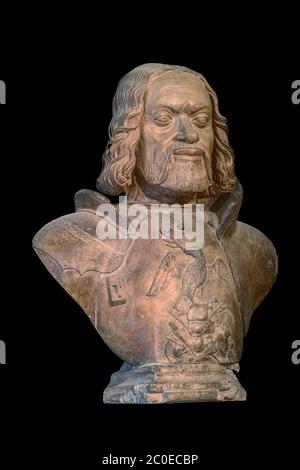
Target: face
pixel 177 135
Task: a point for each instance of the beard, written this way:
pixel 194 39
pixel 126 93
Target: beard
pixel 175 174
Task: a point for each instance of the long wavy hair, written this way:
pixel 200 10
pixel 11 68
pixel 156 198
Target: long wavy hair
pixel 119 158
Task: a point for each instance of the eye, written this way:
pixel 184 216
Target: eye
pixel 201 120
pixel 163 119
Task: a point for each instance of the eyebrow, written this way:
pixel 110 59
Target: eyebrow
pixel 186 107
pixel 196 109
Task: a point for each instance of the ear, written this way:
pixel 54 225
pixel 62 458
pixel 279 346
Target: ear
pixel 227 208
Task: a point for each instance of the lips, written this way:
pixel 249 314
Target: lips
pixel 189 151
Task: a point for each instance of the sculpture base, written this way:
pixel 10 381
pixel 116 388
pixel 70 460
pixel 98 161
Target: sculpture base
pixel 173 383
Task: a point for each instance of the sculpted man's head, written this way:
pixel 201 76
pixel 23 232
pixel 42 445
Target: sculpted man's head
pixel 167 138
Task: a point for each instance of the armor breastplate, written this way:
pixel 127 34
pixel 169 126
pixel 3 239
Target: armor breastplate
pixel 194 292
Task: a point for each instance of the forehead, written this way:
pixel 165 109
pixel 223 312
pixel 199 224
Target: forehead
pixel 176 89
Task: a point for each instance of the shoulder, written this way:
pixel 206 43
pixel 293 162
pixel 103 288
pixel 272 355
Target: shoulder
pixel 256 248
pixel 72 241
pixel 255 259
pixel 74 255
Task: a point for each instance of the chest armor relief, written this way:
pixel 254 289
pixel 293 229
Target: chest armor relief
pixel 165 304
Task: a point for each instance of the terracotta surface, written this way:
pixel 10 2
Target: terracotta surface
pixel 176 316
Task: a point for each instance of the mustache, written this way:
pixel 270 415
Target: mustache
pixel 180 147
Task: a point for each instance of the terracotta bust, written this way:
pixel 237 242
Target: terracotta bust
pixel 176 316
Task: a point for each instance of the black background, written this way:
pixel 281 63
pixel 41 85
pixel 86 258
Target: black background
pixel 55 126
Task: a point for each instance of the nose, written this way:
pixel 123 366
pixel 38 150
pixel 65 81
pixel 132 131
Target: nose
pixel 186 131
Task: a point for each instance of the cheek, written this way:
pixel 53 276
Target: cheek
pixel 156 137
pixel 211 141
pixel 207 138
